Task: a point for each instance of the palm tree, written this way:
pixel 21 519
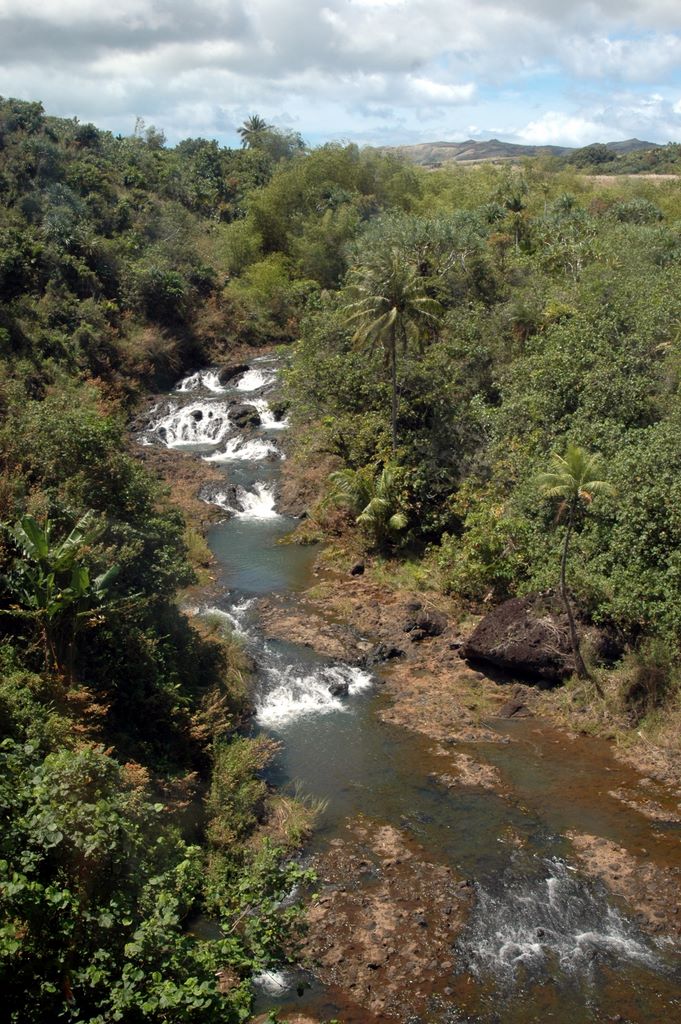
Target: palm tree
pixel 373 498
pixel 574 478
pixel 382 516
pixel 390 310
pixel 252 130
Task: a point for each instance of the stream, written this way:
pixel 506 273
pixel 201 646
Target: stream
pixel 544 942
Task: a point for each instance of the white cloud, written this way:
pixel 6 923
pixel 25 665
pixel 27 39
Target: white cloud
pixel 554 128
pixel 439 92
pixel 357 67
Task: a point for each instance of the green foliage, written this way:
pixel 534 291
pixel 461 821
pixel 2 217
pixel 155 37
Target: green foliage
pixel 491 558
pixel 51 584
pixel 570 335
pixel 96 889
pixel 376 499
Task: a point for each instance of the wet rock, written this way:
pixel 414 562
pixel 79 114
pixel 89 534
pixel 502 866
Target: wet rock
pixel 527 636
pixel 421 624
pixel 357 569
pixel 228 373
pixel 214 489
pixel 279 409
pixel 339 688
pixel 244 416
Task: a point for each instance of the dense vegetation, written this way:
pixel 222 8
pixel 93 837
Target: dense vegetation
pixel 129 803
pixel 600 159
pixel 558 324
pixel 452 329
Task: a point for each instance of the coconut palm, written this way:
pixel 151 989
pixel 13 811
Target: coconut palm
pixel 252 130
pixel 575 479
pixel 390 310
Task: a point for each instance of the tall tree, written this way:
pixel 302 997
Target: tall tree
pixel 252 130
pixel 575 479
pixel 390 310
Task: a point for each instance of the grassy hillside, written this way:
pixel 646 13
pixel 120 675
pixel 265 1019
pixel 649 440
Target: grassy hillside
pixel 435 154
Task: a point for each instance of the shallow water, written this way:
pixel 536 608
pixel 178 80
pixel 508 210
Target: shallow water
pixel 544 943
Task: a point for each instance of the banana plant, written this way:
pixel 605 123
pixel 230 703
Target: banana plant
pixel 51 585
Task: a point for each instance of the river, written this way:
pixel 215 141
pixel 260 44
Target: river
pixel 544 942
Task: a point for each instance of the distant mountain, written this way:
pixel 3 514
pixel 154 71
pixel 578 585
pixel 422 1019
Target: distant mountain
pixel 432 154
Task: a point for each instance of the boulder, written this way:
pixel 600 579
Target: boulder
pixel 279 408
pixel 527 636
pixel 244 416
pixel 228 373
pixel 339 688
pixel 420 624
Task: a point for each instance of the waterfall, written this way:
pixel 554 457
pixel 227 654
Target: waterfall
pixel 195 424
pixel 238 450
pixel 202 378
pixel 253 380
pixel 256 504
pixel 267 416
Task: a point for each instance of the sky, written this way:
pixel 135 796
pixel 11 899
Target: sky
pixel 381 72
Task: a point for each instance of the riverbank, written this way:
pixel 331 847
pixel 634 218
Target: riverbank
pixel 441 782
pixel 428 688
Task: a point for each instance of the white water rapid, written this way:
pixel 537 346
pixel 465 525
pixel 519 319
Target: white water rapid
pixel 254 379
pixel 267 417
pixel 256 504
pixel 208 379
pixel 542 925
pixel 291 692
pixel 202 422
pixel 237 449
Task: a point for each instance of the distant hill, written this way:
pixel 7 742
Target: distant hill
pixel 433 154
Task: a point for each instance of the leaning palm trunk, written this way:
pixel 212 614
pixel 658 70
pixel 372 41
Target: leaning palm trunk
pixel 580 667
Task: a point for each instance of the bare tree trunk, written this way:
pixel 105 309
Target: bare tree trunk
pixel 574 638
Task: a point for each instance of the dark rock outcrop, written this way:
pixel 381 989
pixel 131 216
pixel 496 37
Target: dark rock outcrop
pixel 527 636
pixel 382 652
pixel 279 409
pixel 244 415
pixel 419 623
pixel 339 688
pixel 228 373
